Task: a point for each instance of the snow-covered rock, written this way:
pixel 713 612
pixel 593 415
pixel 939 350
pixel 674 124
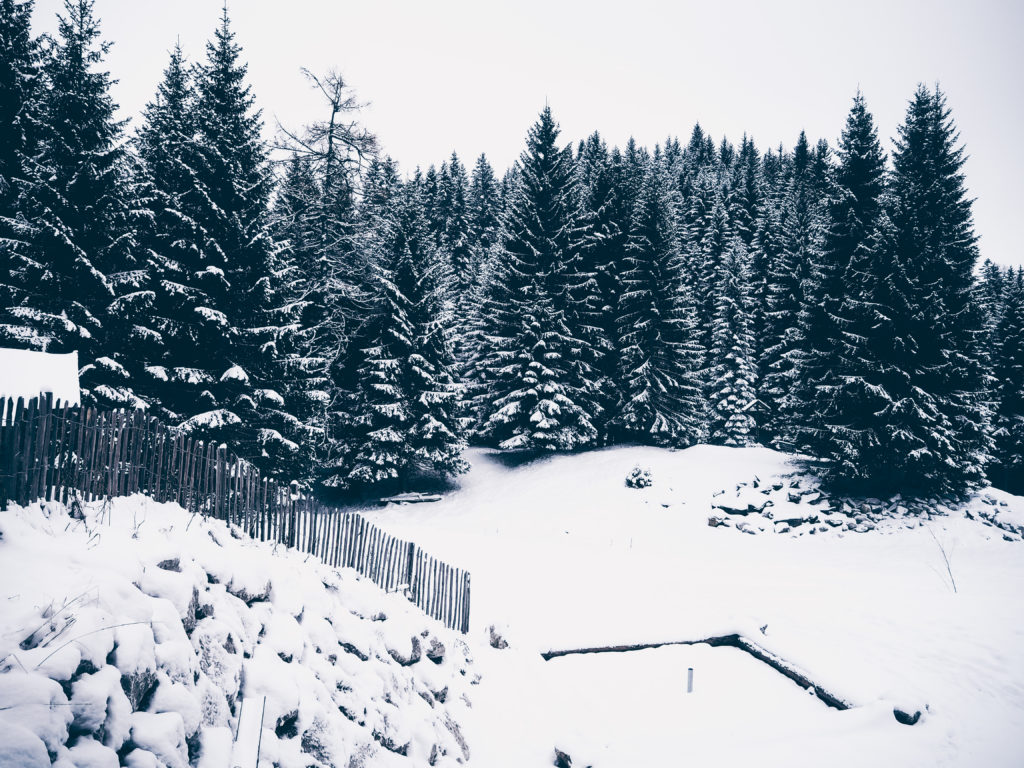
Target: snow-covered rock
pixel 162 642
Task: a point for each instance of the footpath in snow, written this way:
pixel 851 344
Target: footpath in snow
pixel 564 555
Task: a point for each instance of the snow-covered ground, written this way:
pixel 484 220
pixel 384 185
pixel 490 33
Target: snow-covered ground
pixel 563 555
pixel 145 636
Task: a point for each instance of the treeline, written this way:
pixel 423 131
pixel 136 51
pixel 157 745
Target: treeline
pixel 339 322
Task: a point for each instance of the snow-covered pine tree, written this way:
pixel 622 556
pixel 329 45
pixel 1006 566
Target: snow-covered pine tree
pixel 434 202
pixel 233 185
pixel 789 286
pixel 537 399
pixel 709 236
pixel 188 271
pixel 320 262
pixel 487 211
pixel 484 208
pixel 602 182
pixel 935 241
pixel 168 239
pixel 660 358
pixel 745 190
pixel 731 375
pixel 20 90
pixel 828 313
pixel 403 410
pixel 765 253
pixel 992 284
pixel 380 185
pixel 453 191
pixel 311 340
pixel 20 93
pixel 1007 471
pixel 911 412
pixel 695 158
pixel 77 228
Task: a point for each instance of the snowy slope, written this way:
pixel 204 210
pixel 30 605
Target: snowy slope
pixel 563 555
pixel 146 634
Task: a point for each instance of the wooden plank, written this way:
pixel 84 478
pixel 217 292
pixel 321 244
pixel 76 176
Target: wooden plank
pixel 263 509
pixel 39 457
pixel 121 455
pixel 81 446
pixel 13 465
pixel 25 451
pixel 76 426
pixel 219 487
pixel 61 452
pixel 5 440
pixel 12 436
pixel 140 450
pixel 157 487
pixel 92 447
pixel 6 432
pixel 43 446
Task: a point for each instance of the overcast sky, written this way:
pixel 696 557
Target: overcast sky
pixel 471 75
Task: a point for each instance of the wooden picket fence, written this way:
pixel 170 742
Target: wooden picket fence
pixel 58 452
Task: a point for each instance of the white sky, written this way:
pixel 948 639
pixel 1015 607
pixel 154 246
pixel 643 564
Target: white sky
pixel 471 75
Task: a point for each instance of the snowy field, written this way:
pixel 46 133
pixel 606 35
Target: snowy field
pixel 563 555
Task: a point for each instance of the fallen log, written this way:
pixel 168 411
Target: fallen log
pixel 731 641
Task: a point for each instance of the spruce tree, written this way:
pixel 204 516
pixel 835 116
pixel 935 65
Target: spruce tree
pixel 708 238
pixel 913 412
pixel 732 372
pixel 1007 470
pixel 233 183
pixel 403 411
pixel 790 285
pixel 455 243
pixel 484 208
pixel 931 213
pixel 170 239
pixel 76 230
pixel 537 398
pixel 20 93
pixel 320 263
pixel 765 254
pixel 602 181
pixel 828 315
pixel 660 357
pixel 19 97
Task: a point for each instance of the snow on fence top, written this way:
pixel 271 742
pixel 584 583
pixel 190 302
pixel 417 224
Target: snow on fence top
pixel 26 373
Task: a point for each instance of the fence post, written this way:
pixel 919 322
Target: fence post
pixel 219 484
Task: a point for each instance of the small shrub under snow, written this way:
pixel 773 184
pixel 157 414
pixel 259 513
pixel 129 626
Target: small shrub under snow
pixel 639 477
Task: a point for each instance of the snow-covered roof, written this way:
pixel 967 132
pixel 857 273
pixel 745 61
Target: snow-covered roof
pixel 26 373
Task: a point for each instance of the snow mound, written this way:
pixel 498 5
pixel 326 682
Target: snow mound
pixel 156 638
pixel 28 374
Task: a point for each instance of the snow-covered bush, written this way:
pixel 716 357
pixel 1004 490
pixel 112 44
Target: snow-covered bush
pixel 639 477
